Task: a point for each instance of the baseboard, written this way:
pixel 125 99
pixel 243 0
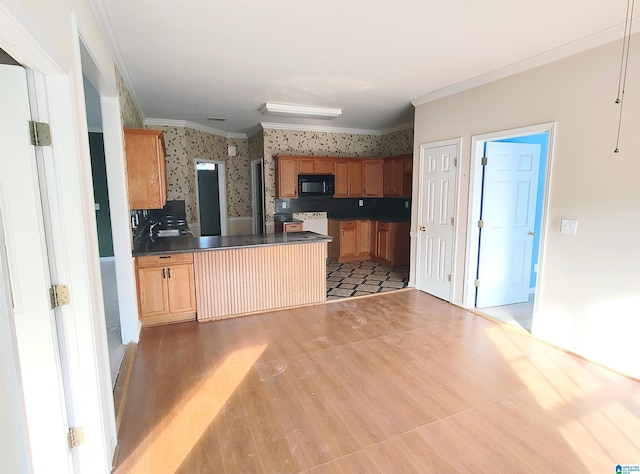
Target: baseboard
pixel 107 259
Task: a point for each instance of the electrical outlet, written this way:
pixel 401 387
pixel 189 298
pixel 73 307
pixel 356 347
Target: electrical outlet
pixel 406 204
pixel 360 202
pixel 284 205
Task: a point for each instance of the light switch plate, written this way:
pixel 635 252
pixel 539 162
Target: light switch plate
pixel 569 226
pixel 97 206
pixel 406 204
pixel 360 202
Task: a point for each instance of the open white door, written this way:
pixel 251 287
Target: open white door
pixel 35 327
pixel 436 209
pixel 510 187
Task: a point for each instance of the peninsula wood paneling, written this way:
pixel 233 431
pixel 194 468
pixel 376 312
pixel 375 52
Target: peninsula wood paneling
pixel 241 281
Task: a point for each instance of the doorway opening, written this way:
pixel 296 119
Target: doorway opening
pixel 103 225
pixel 507 205
pixel 257 200
pixel 211 195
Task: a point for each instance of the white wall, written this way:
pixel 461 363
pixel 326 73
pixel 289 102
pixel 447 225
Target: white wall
pixel 589 291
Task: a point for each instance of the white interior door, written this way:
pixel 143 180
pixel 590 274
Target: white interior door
pixel 510 188
pixel 40 373
pixel 436 208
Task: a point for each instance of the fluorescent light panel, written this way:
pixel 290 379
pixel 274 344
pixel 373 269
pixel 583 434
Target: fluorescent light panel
pixel 302 111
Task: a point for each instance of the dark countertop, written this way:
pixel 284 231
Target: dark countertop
pixel 184 244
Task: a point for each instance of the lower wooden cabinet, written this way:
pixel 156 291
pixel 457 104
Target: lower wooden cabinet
pixel 392 242
pixel 166 288
pixel 344 247
pixel 385 242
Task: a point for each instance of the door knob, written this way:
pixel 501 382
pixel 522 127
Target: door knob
pixel 532 234
pixel 422 228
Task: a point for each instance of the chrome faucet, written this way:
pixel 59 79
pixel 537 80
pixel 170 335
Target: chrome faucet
pixel 152 227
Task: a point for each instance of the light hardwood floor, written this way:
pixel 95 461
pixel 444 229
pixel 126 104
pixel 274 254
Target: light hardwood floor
pixel 396 382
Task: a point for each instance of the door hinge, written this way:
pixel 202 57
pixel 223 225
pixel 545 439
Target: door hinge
pixel 452 221
pixel 455 162
pixel 75 437
pixel 449 277
pixel 476 283
pixel 481 223
pixel 40 134
pixel 59 295
pixel 485 160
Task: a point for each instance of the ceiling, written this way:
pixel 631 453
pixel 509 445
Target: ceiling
pixel 193 59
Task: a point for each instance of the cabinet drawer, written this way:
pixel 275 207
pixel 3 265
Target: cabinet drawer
pixel 347 225
pixel 159 260
pixel 383 225
pixel 292 227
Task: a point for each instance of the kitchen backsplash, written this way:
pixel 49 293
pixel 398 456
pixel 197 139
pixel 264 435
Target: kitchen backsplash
pixel 347 207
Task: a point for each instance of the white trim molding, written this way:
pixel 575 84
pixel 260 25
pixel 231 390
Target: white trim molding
pixel 193 125
pixel 318 128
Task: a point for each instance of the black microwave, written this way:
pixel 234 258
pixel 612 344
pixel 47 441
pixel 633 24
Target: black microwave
pixel 316 184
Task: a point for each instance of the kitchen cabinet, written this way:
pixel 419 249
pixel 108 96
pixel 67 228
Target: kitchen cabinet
pixel 407 174
pixel 146 168
pixel 372 171
pixel 392 243
pixel 393 176
pixel 364 232
pixel 344 246
pixel 318 165
pixel 166 288
pixel 349 180
pixel 287 177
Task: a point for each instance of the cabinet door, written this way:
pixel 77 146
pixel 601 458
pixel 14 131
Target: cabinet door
pixel 146 168
pixel 387 178
pixel 287 178
pixel 398 167
pixel 342 179
pixel 306 165
pixel 407 175
pixel 372 172
pixel 153 294
pixel 383 249
pixel 181 288
pixel 355 178
pixel 348 240
pixel 325 166
pixel 364 238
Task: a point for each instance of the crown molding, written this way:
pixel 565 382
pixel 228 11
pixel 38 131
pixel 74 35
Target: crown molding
pixel 569 49
pixel 101 13
pixel 397 128
pixel 317 128
pixel 193 125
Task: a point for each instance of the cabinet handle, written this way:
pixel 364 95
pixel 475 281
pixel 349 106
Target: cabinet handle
pixel 163 274
pixel 165 256
pixel 169 272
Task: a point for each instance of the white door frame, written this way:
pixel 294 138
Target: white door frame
pixel 423 148
pixel 475 202
pixel 222 188
pixel 255 200
pixel 59 99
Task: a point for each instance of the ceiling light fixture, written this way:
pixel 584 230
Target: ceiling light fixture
pixel 301 111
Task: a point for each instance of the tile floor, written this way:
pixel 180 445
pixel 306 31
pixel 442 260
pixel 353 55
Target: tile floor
pixel 363 278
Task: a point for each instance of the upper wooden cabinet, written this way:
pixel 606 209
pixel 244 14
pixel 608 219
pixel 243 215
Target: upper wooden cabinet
pixel 349 180
pixel 146 168
pixel 316 165
pixel 287 177
pixel 372 171
pixel 397 176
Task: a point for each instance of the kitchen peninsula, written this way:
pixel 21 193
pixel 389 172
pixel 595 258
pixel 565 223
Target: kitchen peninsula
pixel 208 278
